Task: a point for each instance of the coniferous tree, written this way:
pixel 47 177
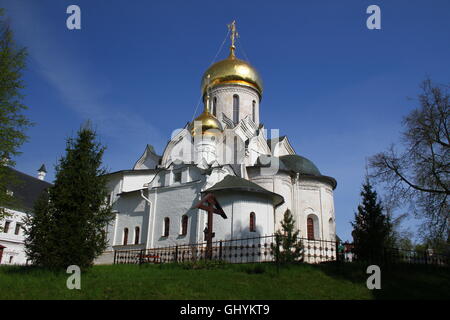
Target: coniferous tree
pixel 12 121
pixel 40 243
pixel 371 228
pixel 77 211
pixel 288 246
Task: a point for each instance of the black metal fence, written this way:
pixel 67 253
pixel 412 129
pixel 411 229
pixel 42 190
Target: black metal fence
pixel 248 250
pixel 399 256
pixel 261 249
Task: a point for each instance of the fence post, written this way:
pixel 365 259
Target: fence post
pixel 337 250
pixel 220 250
pixel 141 257
pixel 176 254
pixel 115 253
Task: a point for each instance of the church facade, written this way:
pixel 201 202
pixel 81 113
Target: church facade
pixel 225 151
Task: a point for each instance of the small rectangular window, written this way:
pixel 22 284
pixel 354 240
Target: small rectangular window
pixel 18 227
pixel 177 176
pixel 6 227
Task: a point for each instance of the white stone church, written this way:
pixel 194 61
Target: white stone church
pixel 225 151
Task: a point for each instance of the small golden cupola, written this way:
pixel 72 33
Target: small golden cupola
pixel 206 123
pixel 232 70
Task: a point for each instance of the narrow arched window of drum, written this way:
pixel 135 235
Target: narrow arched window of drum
pixel 235 108
pixel 136 235
pixel 310 228
pixel 184 225
pixel 214 107
pixel 252 222
pixel 254 111
pixel 125 236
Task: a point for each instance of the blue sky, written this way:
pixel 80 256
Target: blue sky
pixel 337 89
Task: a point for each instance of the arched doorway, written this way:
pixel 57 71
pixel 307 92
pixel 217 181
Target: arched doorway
pixel 310 228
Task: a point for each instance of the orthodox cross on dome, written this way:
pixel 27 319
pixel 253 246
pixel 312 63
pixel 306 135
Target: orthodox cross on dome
pixel 207 108
pixel 234 35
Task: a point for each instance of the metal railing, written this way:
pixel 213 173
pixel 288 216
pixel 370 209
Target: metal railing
pixel 398 256
pixel 246 250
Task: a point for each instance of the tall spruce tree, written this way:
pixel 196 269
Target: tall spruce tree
pixel 371 228
pixel 288 247
pixel 40 241
pixel 69 229
pixel 13 123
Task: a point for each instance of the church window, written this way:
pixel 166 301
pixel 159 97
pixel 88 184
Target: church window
pixel 6 227
pixel 310 228
pixel 184 224
pixel 252 222
pixel 177 176
pixel 136 235
pixel 125 236
pixel 18 227
pixel 254 111
pixel 235 108
pixel 166 227
pixel 214 107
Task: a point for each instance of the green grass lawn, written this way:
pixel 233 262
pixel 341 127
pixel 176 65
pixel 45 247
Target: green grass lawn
pixel 226 282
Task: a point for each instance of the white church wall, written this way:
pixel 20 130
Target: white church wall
pixel 238 207
pixel 309 204
pixel 280 183
pixel 315 198
pixel 328 213
pixel 283 186
pixel 136 180
pixel 193 174
pixel 173 203
pixel 14 252
pixel 114 186
pixel 132 213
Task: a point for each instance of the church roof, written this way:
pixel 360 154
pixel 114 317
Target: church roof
pixel 295 163
pixel 26 189
pixel 306 167
pixel 233 183
pixel 300 164
pixel 271 161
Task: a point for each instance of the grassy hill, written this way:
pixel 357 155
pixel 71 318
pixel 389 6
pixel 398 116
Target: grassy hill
pixel 205 281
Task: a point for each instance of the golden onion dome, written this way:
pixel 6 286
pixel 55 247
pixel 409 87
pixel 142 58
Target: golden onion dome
pixel 205 123
pixel 232 71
